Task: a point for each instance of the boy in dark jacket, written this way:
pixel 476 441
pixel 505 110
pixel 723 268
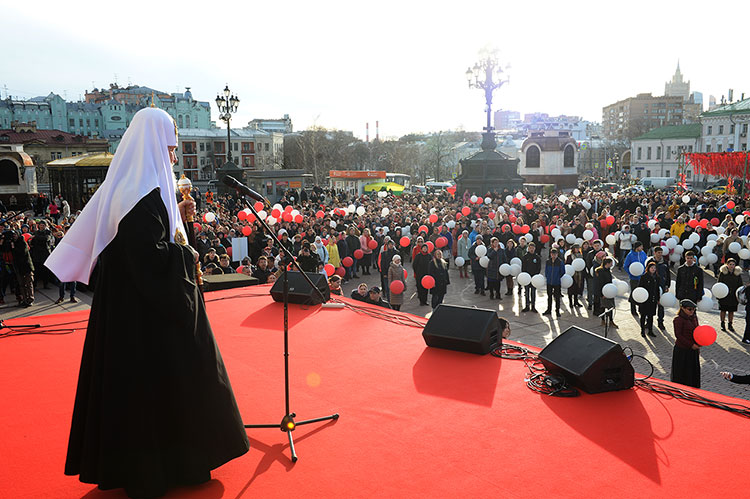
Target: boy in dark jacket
pixel 531 263
pixel 554 272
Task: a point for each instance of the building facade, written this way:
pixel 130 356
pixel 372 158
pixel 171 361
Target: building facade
pixel 550 158
pixel 200 152
pixel 283 125
pixel 17 177
pixel 725 128
pixel 659 152
pixel 634 116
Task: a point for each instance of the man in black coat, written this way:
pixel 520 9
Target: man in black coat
pixel 689 282
pixel 41 246
pixel 24 269
pixel 420 265
pixel 532 265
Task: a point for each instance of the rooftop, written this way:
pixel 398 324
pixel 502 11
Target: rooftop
pixel 739 107
pixel 691 131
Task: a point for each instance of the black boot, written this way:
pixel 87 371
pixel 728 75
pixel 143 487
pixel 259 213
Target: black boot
pixel 729 326
pixel 723 327
pixel 492 294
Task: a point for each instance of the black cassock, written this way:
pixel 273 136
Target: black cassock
pixel 154 408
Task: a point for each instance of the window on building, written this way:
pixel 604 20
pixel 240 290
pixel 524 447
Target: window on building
pixel 688 173
pixel 648 173
pixel 234 146
pixel 203 161
pixel 719 147
pixel 731 147
pixel 640 151
pixel 202 146
pixel 266 146
pixel 666 173
pixel 658 152
pixel 80 122
pixel 721 129
pixel 638 173
pixel 179 121
pixel 648 152
pixel 744 128
pixel 88 122
pixel 731 128
pixel 568 157
pixel 708 147
pixel 71 122
pixel 744 146
pixel 532 157
pixel 709 128
pixel 669 152
pixel 690 148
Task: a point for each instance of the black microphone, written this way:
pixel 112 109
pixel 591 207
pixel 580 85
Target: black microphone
pixel 242 188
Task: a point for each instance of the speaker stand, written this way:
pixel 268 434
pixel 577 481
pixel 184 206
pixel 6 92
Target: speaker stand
pixel 288 424
pixel 606 318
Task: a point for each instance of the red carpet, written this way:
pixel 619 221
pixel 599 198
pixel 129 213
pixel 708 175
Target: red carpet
pixel 414 421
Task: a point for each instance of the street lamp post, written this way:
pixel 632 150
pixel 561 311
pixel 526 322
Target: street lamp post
pixel 227 105
pixel 487 75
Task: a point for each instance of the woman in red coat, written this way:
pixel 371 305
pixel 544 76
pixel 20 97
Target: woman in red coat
pixel 686 367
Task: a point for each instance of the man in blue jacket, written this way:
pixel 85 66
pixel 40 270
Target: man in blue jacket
pixel 554 271
pixel 636 255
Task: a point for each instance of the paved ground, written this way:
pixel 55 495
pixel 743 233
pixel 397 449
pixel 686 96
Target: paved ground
pixel 727 354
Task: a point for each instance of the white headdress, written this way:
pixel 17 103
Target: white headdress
pixel 140 165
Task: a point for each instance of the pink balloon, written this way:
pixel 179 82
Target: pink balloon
pixel 397 287
pixel 330 269
pixel 428 282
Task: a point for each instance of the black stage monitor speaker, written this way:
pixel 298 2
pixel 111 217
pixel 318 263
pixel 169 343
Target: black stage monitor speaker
pixel 588 361
pixel 300 290
pixel 227 281
pixel 465 329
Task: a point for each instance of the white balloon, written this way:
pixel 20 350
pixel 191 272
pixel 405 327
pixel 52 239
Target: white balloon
pixel 636 269
pixel 538 281
pixel 460 262
pixel 570 238
pixel 262 214
pixel 671 243
pixel 524 279
pixel 562 198
pixel 611 239
pixel 695 237
pixel 734 247
pixel 712 258
pixel 277 206
pixel 707 250
pixel 687 244
pixel 707 293
pixel 744 254
pixel 209 217
pixel 679 249
pixel 332 224
pixel 712 237
pixel 294 213
pixel 523 202
pixel 651 224
pixel 609 290
pixel 711 243
pixel 579 241
pixel 384 212
pixel 528 237
pixel 569 270
pixel 576 192
pixel 705 304
pixel 556 233
pixel 720 230
pixel 484 261
pixel 655 237
pixel 739 219
pixel 508 198
pixel 685 199
pixel 487 200
pixel 505 269
pixel 720 290
pixel 588 234
pixel 703 261
pixel 480 251
pixel 382 194
pixel 501 209
pixel 473 199
pixel 519 195
pixel 674 257
pixel 360 210
pixel 663 233
pixel 640 295
pixel 515 269
pixel 271 221
pixel 579 264
pixel 622 287
pixel 451 224
pixel 516 261
pixel 668 300
pixel 566 281
pixel 586 205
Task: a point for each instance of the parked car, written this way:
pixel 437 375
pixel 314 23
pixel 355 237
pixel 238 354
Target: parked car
pixel 608 187
pixel 717 190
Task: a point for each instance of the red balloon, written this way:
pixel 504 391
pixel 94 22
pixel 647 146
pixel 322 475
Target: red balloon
pixel 258 206
pixel 516 229
pixel 704 335
pixel 512 219
pixel 730 205
pixel 229 251
pixel 458 215
pixel 430 246
pixel 320 214
pixel 406 274
pixel 441 242
pixel 466 211
pixel 358 254
pixel 247 230
pixel 287 217
pixel 433 218
pixel 610 219
pixel 422 228
pixel 298 218
pixel 544 238
pixel 197 226
pixel 242 215
pixel 372 244
pixel 404 241
pixel 529 206
pixel 276 213
pixel 516 200
pixel 428 282
pixel 250 218
pixel 288 208
pixel 704 223
pixel 330 269
pixel 492 215
pixel 397 287
pixel 506 228
pixel 693 223
pixel 480 199
pixel 324 241
pixel 347 261
pixel 26 236
pixel 715 221
pixel 341 271
pixel 525 229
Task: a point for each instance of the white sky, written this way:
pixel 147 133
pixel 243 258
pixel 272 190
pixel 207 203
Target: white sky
pixel 340 64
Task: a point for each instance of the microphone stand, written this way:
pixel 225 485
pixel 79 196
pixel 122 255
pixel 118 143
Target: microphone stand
pixel 288 424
